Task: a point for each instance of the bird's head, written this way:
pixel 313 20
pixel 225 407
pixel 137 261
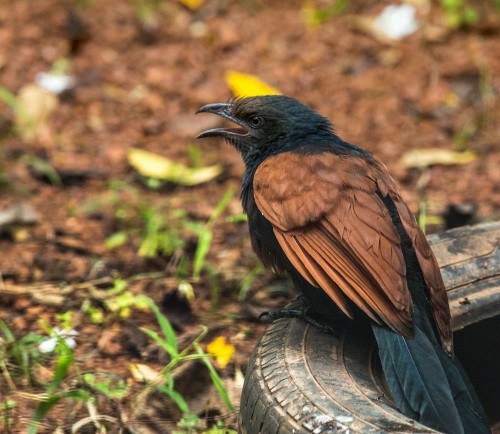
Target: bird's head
pixel 266 125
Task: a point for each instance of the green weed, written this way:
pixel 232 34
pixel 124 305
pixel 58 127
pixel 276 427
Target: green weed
pixel 168 341
pixel 156 230
pixel 458 13
pixel 69 385
pixel 315 16
pixel 7 409
pixel 205 234
pixel 18 355
pixel 15 105
pixel 246 283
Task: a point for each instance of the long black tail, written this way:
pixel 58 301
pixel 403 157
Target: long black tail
pixel 425 382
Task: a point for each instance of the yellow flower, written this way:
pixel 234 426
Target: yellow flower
pixel 223 352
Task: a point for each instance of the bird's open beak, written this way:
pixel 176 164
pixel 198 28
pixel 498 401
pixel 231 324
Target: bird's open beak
pixel 224 110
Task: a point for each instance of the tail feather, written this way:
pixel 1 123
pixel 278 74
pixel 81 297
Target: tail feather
pixel 471 412
pixel 426 383
pixel 417 380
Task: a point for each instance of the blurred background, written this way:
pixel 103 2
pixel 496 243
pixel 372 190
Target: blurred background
pixel 105 195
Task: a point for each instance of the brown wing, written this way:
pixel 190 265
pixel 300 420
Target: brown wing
pixel 427 260
pixel 337 232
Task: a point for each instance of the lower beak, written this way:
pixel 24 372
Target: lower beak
pixel 223 110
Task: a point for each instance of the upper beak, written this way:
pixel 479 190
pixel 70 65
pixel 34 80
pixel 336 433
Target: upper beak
pixel 224 110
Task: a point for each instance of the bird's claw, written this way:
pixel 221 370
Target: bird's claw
pixel 263 314
pixel 296 313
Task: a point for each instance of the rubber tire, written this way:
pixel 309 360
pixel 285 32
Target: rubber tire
pixel 302 380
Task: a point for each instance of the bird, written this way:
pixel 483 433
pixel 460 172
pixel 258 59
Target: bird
pixel 329 215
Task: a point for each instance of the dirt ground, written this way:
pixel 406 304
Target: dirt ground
pixel 138 86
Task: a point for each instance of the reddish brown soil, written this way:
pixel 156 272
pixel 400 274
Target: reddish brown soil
pixel 140 89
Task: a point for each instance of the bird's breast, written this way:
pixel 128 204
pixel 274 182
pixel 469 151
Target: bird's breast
pixel 264 241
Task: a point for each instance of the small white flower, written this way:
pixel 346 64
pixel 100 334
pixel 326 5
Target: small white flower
pixel 55 83
pixel 396 21
pixel 50 344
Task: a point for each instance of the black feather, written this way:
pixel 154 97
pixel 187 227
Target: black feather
pixel 417 380
pixel 415 367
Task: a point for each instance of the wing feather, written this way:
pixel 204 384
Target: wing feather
pixel 302 258
pixel 342 239
pixel 358 285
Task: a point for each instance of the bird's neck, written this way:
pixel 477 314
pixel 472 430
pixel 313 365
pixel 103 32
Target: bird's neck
pixel 326 144
pixel 247 186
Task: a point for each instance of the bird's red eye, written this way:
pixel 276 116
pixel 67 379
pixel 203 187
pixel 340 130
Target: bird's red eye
pixel 256 121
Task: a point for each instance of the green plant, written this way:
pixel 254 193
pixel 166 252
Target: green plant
pixel 117 299
pixel 109 385
pixel 248 280
pixel 168 341
pixel 191 424
pixel 315 16
pixel 44 167
pixel 15 105
pixel 17 355
pixel 205 233
pixel 156 230
pixel 458 13
pixel 85 389
pixel 147 12
pixel 158 236
pixel 53 395
pixel 7 407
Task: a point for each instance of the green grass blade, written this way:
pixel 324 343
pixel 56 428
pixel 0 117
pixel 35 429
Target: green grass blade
pixel 221 206
pixel 176 397
pixel 248 280
pixel 11 100
pixel 162 342
pixel 7 332
pixel 204 242
pixel 63 364
pixel 40 411
pixel 165 326
pixel 214 376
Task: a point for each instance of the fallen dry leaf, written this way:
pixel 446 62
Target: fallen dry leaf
pixel 248 85
pixel 192 4
pixel 143 373
pixel 159 167
pixel 420 158
pixel 36 107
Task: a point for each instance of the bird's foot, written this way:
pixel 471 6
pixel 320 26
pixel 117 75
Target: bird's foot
pixel 298 313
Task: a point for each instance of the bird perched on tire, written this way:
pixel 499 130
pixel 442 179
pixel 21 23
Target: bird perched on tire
pixel 328 214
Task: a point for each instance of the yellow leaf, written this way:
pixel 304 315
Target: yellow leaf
pixel 223 352
pixel 156 166
pixel 192 4
pixel 248 85
pixel 421 158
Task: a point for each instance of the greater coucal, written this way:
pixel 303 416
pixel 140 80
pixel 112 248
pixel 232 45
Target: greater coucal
pixel 329 214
